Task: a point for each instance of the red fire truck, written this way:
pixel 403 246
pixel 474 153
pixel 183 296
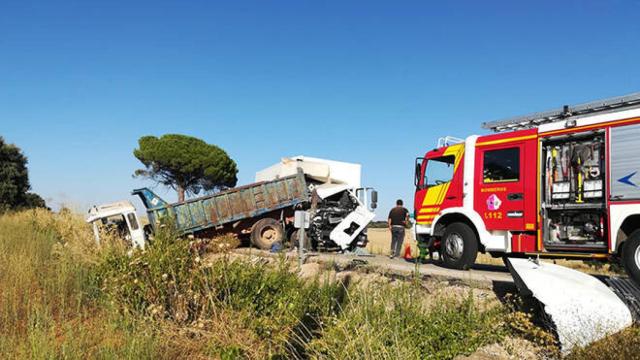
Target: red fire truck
pixel 561 183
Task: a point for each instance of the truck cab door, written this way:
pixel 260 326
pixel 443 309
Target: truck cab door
pixel 439 183
pixel 135 230
pixel 505 183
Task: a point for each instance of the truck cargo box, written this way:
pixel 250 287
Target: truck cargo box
pixel 226 207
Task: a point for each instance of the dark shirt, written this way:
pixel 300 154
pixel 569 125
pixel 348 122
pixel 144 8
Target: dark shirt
pixel 398 215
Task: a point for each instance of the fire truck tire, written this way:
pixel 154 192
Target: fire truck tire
pixel 631 256
pixel 459 246
pixel 266 232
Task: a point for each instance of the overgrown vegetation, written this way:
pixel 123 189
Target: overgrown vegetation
pixel 64 297
pixel 49 303
pixel 623 345
pixel 399 322
pixel 262 309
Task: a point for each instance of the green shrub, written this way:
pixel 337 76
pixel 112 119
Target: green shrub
pixel 168 281
pixel 160 282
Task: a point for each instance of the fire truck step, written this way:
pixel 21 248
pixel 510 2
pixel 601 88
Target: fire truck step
pixel 629 292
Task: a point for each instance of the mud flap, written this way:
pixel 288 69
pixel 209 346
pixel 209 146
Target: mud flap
pixel 583 309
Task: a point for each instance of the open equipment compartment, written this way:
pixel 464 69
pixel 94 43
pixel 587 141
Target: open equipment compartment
pixel 573 191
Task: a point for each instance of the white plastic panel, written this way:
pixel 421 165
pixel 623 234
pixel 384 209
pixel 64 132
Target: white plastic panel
pixel 351 226
pixel 582 308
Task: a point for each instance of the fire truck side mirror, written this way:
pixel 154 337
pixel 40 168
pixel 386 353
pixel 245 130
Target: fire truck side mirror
pixel 418 172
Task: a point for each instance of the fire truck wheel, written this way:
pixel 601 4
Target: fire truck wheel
pixel 459 246
pixel 631 256
pixel 266 232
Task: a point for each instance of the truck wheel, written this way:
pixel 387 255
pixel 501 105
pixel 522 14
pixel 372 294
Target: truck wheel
pixel 459 246
pixel 266 232
pixel 631 256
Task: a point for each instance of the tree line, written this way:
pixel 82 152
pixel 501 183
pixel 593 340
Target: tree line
pixel 186 164
pixel 14 180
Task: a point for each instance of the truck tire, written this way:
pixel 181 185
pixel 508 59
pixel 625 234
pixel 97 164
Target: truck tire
pixel 459 246
pixel 266 232
pixel 631 256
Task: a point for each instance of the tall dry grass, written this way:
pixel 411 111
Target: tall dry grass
pixel 62 296
pixel 37 279
pixel 49 303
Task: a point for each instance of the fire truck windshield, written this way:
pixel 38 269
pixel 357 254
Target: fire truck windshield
pixel 438 171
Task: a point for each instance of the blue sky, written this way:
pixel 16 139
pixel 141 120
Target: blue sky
pixel 362 81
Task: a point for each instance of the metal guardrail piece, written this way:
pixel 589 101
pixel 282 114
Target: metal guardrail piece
pixel 536 119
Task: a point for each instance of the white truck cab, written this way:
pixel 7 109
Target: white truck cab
pixel 119 217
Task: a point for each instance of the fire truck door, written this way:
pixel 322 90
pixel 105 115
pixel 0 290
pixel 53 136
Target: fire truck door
pixel 439 183
pixel 505 194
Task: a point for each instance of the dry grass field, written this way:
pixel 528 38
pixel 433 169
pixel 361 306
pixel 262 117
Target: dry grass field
pixel 64 297
pixel 380 241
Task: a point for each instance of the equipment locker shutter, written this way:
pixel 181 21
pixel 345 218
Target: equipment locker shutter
pixel 625 162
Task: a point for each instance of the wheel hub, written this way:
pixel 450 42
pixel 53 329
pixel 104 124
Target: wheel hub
pixel 454 246
pixel 637 257
pixel 269 234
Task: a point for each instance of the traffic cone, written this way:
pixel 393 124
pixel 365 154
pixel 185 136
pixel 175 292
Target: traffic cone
pixel 407 253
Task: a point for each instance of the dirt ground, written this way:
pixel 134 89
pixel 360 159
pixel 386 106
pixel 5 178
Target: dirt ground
pixel 380 244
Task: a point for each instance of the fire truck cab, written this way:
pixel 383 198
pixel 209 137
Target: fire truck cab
pixel 561 183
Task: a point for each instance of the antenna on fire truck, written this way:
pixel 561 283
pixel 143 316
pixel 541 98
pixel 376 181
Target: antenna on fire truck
pixel 539 118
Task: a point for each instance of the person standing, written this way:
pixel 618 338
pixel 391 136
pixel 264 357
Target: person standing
pixel 398 219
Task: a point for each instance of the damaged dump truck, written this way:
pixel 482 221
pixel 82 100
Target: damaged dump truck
pixel 556 184
pixel 263 212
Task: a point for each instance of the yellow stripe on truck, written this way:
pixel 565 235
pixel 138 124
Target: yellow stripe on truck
pixel 507 140
pixel 457 151
pixel 436 194
pixel 432 196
